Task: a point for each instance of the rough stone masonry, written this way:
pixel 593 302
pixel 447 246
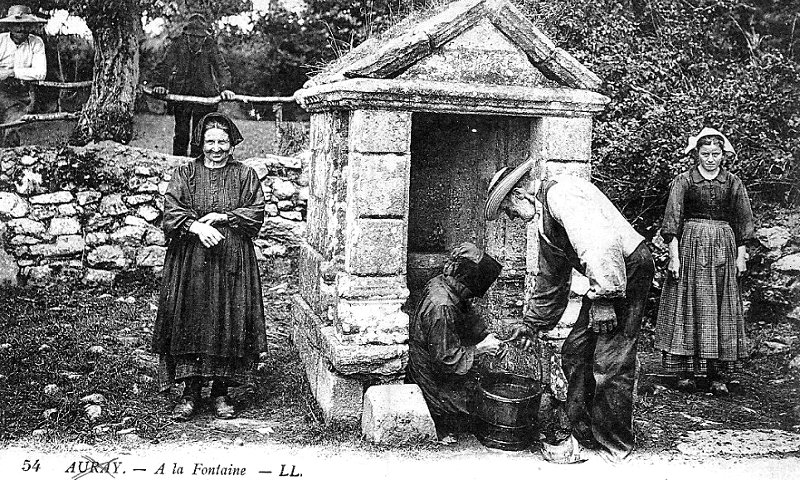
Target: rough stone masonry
pixel 93 212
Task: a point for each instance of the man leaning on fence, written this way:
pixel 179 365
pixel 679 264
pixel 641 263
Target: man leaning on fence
pixel 192 65
pixel 22 60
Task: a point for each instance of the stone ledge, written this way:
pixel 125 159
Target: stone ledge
pixel 348 358
pixel 339 397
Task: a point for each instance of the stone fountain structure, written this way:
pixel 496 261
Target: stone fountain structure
pixel 406 131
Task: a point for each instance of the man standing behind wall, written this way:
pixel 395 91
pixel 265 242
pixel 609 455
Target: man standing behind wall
pixel 22 60
pixel 192 65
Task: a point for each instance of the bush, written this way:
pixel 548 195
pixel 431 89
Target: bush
pixel 672 67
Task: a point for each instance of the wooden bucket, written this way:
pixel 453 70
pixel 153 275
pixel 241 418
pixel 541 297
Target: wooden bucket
pixel 506 406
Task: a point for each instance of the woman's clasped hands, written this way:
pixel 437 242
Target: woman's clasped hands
pixel 203 228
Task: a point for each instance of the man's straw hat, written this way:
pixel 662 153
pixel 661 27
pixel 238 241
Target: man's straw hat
pixel 502 183
pixel 20 14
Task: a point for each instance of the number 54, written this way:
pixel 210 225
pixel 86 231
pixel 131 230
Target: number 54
pixel 28 466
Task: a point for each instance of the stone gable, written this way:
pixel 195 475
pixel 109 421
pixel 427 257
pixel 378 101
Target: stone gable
pixel 491 40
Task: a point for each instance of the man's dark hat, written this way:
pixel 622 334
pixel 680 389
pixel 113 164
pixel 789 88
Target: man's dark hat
pixel 196 24
pixel 478 277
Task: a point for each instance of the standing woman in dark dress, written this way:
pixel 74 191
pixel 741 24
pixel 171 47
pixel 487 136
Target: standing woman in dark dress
pixel 210 323
pixel 708 220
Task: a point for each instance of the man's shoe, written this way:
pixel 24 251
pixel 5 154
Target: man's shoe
pixel 184 409
pixel 565 452
pixel 223 408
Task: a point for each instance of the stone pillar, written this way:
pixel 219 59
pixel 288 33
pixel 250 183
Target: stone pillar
pixel 372 287
pixel 563 145
pixel 347 323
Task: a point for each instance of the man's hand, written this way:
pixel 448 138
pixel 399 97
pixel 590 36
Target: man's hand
pixel 227 95
pixel 490 345
pixel 208 235
pixel 602 317
pixel 160 90
pixel 525 335
pixel 214 218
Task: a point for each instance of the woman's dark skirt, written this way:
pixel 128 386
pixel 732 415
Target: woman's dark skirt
pixel 210 321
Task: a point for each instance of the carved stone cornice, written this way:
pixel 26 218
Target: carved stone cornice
pixel 447 97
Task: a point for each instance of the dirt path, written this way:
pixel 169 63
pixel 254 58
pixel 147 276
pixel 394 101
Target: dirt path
pixel 751 434
pixel 466 460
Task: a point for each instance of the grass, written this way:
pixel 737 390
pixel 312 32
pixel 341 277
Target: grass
pixel 70 318
pixel 50 332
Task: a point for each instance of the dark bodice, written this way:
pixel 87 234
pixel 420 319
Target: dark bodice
pixel 723 198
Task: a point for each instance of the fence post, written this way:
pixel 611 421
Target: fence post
pixel 277 109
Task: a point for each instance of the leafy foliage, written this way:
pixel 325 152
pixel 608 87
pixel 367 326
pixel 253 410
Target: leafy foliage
pixel 284 47
pixel 674 66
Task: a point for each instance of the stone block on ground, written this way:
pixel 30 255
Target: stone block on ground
pixel 396 415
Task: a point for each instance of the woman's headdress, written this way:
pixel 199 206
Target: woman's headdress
pixel 705 132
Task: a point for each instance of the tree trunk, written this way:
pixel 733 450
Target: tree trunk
pixel 108 114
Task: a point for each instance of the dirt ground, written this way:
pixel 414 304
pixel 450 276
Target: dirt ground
pixel 278 427
pixel 281 407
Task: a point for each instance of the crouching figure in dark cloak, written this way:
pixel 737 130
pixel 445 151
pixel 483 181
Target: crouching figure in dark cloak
pixel 446 336
pixel 210 322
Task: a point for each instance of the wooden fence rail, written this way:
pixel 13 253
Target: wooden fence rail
pixel 215 100
pixel 277 102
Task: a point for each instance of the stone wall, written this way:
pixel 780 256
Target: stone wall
pixel 95 211
pixel 773 287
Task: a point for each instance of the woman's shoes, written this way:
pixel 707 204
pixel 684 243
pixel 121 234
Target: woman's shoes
pixel 718 388
pixel 687 385
pixel 223 408
pixel 184 409
pixel 187 406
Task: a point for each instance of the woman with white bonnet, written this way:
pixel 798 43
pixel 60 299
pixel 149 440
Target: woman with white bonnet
pixel 707 222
